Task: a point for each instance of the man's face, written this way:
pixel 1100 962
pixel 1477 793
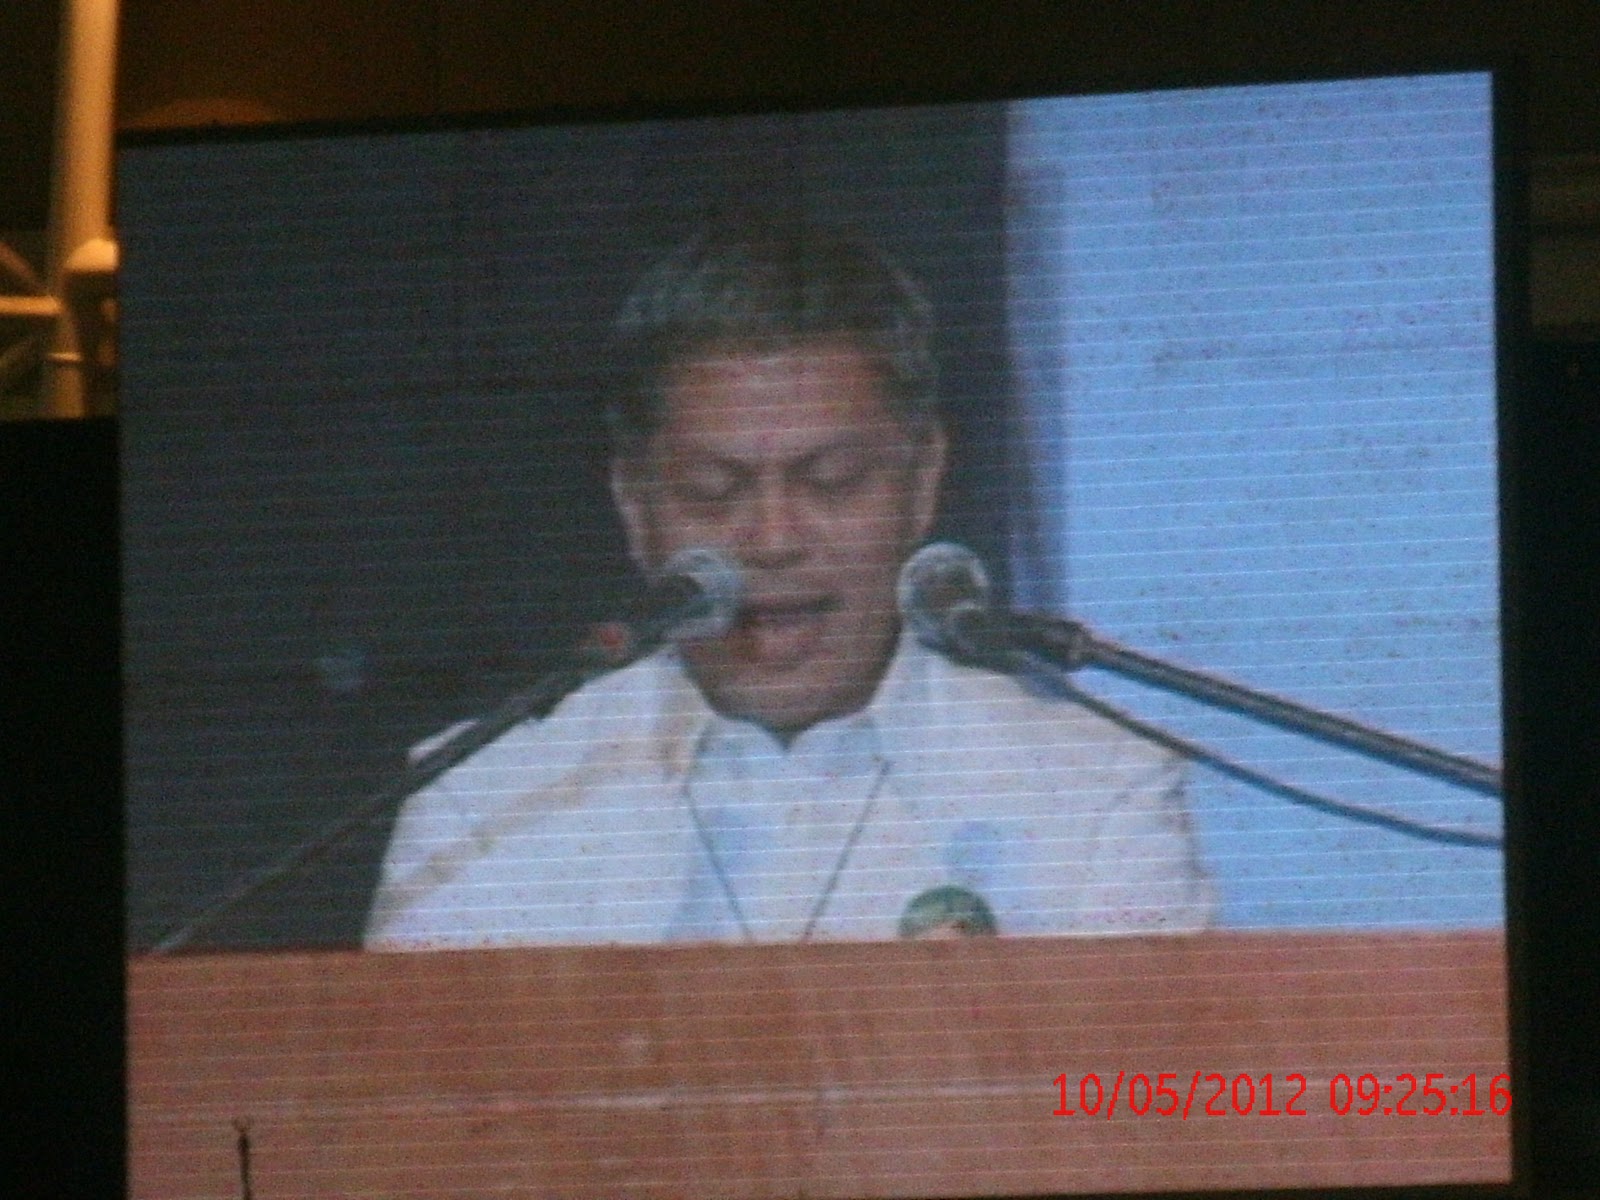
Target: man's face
pixel 792 462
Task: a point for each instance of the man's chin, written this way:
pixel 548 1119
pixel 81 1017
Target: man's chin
pixel 784 707
pixel 783 710
pixel 783 676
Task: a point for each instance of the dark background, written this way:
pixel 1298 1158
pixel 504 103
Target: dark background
pixel 225 61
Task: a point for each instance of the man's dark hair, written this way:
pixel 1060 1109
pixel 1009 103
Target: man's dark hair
pixel 768 284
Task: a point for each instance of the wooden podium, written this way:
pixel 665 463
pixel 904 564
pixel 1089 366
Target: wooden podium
pixel 905 1069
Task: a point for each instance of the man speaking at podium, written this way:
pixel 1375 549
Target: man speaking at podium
pixel 811 773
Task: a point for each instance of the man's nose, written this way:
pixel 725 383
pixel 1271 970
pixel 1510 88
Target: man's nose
pixel 776 534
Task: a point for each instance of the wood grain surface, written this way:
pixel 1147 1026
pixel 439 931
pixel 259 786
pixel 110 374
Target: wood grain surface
pixel 907 1069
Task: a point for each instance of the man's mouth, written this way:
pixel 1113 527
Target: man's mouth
pixel 780 631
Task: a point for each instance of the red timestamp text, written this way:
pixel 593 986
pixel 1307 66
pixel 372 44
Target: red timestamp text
pixel 1214 1094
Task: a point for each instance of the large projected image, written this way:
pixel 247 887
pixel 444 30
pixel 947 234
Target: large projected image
pixel 1210 371
pixel 754 592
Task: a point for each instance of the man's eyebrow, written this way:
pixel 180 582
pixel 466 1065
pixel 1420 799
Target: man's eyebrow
pixel 705 454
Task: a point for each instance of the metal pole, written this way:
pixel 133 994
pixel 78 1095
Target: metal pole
pixel 83 251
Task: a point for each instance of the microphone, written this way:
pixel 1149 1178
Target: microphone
pixel 695 594
pixel 944 596
pixel 938 580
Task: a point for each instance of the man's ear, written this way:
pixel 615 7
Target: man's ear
pixel 629 488
pixel 927 477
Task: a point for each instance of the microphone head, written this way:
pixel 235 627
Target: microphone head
pixel 717 585
pixel 938 581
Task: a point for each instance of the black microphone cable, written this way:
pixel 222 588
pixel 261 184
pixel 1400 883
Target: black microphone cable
pixel 1444 834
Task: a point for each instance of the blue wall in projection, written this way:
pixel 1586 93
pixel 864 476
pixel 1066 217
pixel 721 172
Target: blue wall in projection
pixel 1270 354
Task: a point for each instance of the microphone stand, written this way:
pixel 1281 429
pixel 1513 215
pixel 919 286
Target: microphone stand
pixel 697 594
pixel 611 646
pixel 1068 646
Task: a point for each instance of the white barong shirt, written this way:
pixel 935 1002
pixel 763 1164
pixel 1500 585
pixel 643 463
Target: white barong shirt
pixel 634 813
